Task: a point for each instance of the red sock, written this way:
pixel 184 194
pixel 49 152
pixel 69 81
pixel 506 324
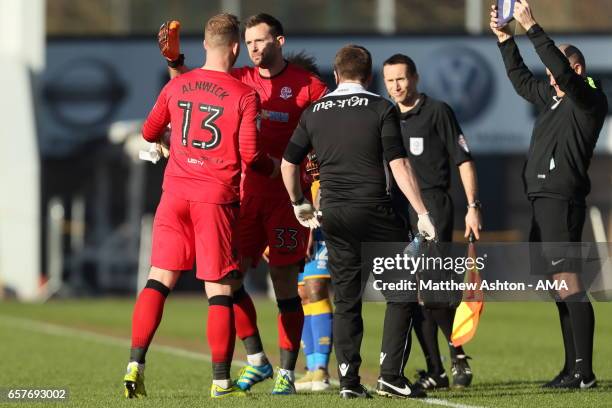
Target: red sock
pixel 148 313
pixel 290 323
pixel 245 315
pixel 220 329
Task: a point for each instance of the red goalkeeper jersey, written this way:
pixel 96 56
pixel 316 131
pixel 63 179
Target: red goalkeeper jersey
pixel 213 119
pixel 283 98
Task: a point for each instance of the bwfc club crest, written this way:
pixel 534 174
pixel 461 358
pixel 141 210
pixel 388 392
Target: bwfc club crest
pixel 286 92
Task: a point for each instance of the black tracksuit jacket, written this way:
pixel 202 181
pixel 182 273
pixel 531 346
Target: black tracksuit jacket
pixel 566 129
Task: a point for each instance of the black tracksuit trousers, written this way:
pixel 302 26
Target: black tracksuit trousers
pixel 345 229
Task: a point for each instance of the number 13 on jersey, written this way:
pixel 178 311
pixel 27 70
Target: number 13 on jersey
pixel 212 113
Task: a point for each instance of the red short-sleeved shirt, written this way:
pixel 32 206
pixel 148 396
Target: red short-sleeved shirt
pixel 214 128
pixel 283 98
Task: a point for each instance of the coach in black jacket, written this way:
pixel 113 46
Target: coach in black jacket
pixel 353 132
pixel 572 109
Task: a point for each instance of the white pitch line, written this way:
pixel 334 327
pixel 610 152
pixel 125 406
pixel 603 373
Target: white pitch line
pixel 58 330
pixel 445 403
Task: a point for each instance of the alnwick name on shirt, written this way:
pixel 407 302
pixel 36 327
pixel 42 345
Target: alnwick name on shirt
pixel 211 87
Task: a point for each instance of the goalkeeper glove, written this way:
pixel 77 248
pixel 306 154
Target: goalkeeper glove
pixel 305 213
pixel 312 166
pixel 426 227
pixel 168 41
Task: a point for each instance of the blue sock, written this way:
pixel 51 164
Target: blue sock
pixel 321 360
pixel 311 363
pixel 321 322
pixel 307 338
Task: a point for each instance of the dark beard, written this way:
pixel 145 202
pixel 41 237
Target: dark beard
pixel 266 61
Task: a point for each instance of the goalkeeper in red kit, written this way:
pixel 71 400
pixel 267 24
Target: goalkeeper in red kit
pixel 214 133
pixel 266 214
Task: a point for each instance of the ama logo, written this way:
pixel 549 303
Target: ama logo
pixel 460 77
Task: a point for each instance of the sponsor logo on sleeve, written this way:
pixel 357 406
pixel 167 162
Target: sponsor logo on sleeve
pixel 463 143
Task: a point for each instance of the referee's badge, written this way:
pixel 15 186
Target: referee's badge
pixel 416 145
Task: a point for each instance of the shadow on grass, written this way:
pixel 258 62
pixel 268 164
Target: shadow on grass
pixel 514 388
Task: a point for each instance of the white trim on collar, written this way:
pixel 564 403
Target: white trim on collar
pixel 348 88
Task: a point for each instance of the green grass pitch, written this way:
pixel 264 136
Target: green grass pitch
pixel 83 345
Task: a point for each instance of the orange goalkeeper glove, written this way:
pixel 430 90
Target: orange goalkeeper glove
pixel 168 41
pixel 312 166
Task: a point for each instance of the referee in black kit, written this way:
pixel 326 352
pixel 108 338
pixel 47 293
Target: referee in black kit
pixel 572 109
pixel 353 132
pixel 434 141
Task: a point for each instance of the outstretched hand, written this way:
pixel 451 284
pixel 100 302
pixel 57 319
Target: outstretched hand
pixel 168 40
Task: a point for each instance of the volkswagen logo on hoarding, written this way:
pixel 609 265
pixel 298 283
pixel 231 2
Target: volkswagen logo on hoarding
pixel 462 78
pixel 84 93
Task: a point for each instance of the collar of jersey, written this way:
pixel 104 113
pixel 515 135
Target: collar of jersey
pixel 417 109
pixel 347 88
pixel 275 75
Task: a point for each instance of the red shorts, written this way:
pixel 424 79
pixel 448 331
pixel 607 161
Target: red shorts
pixel 187 231
pixel 270 221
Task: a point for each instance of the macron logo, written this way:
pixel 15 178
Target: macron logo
pixel 382 357
pixel 343 369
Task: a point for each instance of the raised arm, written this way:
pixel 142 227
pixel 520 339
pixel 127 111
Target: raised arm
pixel 579 88
pixel 522 79
pixel 170 47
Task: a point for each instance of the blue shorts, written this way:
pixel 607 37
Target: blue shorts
pixel 317 268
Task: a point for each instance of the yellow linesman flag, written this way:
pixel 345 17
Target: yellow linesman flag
pixel 469 311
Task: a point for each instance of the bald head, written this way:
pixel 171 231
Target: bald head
pixel 574 55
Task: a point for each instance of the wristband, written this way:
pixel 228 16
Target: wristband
pixel 180 61
pixel 476 204
pixel 298 202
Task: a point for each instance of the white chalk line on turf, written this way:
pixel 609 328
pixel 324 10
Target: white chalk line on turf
pixel 58 330
pixel 445 403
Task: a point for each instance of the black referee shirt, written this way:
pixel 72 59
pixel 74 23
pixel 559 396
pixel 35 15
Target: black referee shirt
pixel 433 139
pixel 351 130
pixel 566 129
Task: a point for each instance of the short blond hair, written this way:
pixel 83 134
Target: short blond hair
pixel 222 30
